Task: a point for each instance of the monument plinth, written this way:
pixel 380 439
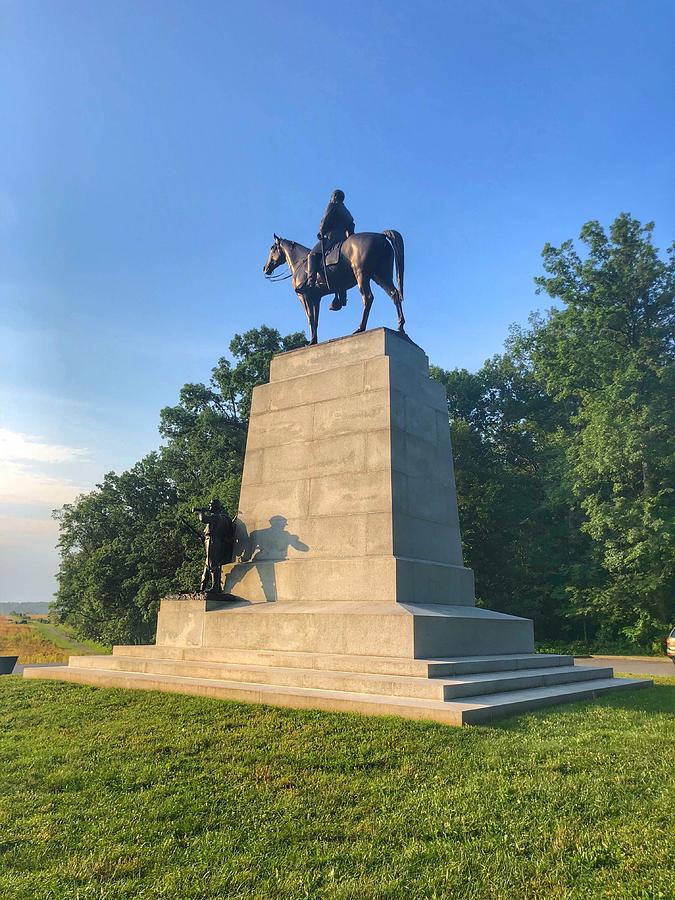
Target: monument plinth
pixel 348 532
pixel 349 591
pixel 348 490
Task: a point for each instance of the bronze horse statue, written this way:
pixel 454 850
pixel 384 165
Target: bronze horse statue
pixel 363 257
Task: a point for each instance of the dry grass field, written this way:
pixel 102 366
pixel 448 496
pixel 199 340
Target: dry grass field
pixel 39 641
pixel 26 642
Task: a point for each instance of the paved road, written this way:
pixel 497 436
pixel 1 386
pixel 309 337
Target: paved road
pixel 634 665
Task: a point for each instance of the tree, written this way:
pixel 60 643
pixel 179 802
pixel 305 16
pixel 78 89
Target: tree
pixel 124 545
pixel 608 354
pixel 514 512
pixel 120 547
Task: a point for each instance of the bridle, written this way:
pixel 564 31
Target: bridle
pixel 273 277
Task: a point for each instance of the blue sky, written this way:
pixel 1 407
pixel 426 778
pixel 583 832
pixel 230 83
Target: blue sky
pixel 150 149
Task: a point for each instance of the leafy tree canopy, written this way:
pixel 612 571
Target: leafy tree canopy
pixel 608 354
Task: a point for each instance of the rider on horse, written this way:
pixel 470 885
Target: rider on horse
pixel 336 225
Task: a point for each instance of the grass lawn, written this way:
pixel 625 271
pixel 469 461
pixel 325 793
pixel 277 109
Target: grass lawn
pixel 109 793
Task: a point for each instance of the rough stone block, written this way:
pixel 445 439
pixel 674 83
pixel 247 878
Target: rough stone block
pixel 180 623
pixel 443 432
pixel 419 581
pixel 416 456
pixel 260 502
pixel 253 467
pixel 329 355
pixel 377 374
pixel 355 492
pixel 315 459
pixel 425 540
pixel 271 429
pixel 379 534
pixel 358 413
pixel 378 453
pixel 306 536
pixel 314 388
pixel 420 419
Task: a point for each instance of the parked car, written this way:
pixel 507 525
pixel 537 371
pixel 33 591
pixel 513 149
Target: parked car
pixel 670 645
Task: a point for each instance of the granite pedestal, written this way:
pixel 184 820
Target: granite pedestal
pixel 349 590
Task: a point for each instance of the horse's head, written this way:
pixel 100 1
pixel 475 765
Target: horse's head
pixel 275 258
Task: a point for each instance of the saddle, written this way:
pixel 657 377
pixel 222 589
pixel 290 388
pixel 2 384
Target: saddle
pixel 333 255
pixel 333 262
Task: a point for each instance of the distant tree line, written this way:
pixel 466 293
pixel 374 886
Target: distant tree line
pixel 564 457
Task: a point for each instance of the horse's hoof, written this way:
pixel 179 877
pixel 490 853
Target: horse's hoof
pixel 359 331
pixel 314 341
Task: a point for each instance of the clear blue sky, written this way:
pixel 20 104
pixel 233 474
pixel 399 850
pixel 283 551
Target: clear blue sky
pixel 150 148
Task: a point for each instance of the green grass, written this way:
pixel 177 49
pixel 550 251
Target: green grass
pixel 63 637
pixel 114 794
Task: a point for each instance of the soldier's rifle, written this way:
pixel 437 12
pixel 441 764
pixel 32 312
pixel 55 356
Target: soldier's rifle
pixel 194 530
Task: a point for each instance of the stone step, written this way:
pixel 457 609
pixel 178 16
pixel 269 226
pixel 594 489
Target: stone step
pixel 466 665
pixel 489 707
pixel 496 682
pixel 437 688
pixel 482 709
pixel 383 665
pixel 318 679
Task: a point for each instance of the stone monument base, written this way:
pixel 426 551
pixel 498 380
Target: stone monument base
pixel 456 665
pixel 401 630
pixel 350 590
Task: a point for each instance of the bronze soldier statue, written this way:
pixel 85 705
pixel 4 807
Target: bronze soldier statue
pixel 218 543
pixel 336 225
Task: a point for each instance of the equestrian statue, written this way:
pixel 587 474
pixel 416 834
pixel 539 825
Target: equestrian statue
pixel 340 260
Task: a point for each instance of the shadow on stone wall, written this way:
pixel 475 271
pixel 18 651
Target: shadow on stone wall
pixel 264 547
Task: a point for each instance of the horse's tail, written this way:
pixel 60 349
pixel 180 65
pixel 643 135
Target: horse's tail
pixel 396 242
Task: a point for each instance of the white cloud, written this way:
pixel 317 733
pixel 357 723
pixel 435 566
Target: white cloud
pixel 20 484
pixel 21 531
pixel 25 476
pixel 17 446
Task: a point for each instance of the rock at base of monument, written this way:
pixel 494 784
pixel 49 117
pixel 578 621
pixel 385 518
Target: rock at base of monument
pixel 369 628
pixel 184 613
pixel 203 595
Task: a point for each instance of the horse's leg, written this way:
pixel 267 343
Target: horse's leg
pixel 306 307
pixel 317 308
pixel 313 302
pixel 367 296
pixel 388 285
